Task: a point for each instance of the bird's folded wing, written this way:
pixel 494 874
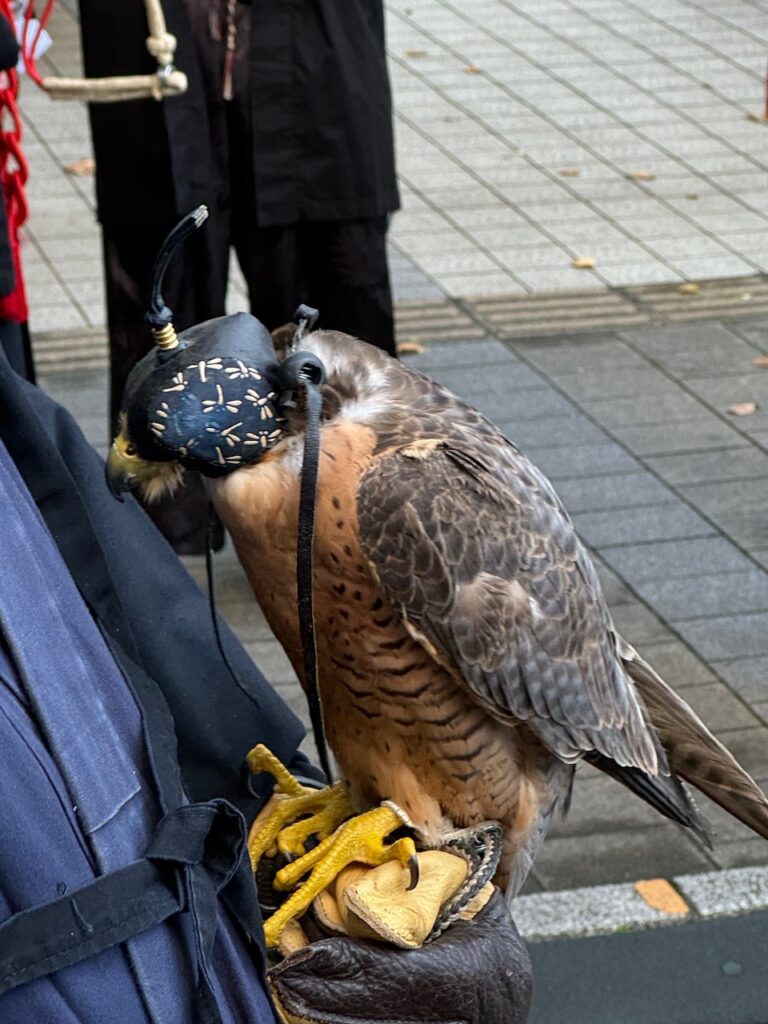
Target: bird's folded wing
pixel 473 546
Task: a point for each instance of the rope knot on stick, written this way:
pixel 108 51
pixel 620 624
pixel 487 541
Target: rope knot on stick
pixel 162 47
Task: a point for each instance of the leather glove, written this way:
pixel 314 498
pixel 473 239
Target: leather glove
pixel 377 903
pixel 391 943
pixel 476 972
pixel 365 953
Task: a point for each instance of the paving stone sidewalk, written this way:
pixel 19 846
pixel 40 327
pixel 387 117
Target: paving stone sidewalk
pixel 517 124
pixel 532 132
pixel 670 491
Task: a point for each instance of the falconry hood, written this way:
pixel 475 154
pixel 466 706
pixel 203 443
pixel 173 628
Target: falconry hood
pixel 210 403
pixel 210 397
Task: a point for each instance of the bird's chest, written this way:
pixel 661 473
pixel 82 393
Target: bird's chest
pixel 260 508
pixel 372 672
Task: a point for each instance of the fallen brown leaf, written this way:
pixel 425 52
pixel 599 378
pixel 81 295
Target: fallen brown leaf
pixel 415 54
pixel 473 69
pixel 692 195
pixel 660 894
pixel 569 172
pixel 84 168
pixel 410 348
pixel 743 408
pixel 761 362
pixel 760 118
pixel 584 263
pixel 689 288
pixel 641 176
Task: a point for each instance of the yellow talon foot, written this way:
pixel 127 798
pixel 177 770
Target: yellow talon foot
pixel 295 812
pixel 360 839
pixel 319 811
pixel 261 759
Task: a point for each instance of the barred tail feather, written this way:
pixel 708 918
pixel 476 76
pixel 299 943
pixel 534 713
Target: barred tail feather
pixel 693 752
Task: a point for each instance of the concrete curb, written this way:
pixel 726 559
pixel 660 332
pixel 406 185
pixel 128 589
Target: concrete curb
pixel 605 909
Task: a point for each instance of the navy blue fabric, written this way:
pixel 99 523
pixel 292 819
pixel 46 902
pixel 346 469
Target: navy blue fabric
pixel 76 800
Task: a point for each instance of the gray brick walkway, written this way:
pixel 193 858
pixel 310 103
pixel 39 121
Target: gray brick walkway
pixel 518 122
pixel 521 125
pixel 669 490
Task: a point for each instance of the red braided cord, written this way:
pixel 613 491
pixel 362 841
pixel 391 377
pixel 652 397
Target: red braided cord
pixel 29 47
pixel 14 172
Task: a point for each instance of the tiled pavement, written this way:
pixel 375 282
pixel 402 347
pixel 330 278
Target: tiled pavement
pixel 532 132
pixel 670 491
pixel 518 122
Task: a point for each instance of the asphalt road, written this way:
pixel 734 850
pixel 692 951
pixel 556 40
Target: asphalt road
pixel 707 972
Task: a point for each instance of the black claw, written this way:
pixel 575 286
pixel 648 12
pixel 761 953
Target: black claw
pixel 413 867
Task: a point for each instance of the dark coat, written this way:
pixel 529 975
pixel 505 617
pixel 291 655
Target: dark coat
pixel 320 104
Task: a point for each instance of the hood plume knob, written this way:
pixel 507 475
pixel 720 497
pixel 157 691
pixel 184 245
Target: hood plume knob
pixel 159 316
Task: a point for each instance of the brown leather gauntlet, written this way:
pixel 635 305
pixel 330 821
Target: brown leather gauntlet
pixel 477 972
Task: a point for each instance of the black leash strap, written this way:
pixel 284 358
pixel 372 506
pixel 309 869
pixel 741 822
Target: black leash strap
pixel 193 854
pixel 303 371
pixel 304 562
pixel 210 582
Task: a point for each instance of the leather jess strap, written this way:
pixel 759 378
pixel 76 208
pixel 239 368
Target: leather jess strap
pixel 194 853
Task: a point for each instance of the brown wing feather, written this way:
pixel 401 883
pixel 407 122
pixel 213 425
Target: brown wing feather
pixel 473 545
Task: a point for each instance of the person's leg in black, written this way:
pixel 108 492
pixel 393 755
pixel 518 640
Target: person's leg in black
pixel 346 276
pixel 269 261
pixel 339 267
pixel 268 257
pixel 195 285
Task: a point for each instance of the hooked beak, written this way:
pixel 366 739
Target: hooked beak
pixel 127 470
pixel 120 478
